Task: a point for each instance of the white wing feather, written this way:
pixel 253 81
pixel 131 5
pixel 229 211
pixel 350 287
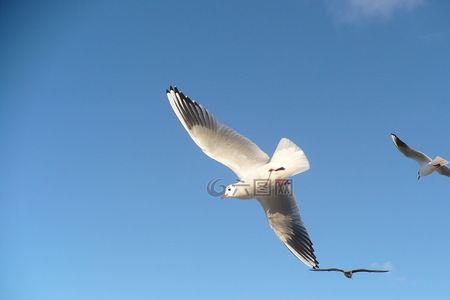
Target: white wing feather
pixel 284 218
pixel 418 156
pixel 216 140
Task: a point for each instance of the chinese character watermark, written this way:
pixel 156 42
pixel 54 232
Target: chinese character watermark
pixel 260 188
pixel 283 187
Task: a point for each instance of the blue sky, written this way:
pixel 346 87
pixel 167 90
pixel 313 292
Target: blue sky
pixel 103 194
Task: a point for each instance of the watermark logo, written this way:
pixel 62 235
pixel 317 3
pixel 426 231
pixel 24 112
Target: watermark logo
pixel 261 187
pixel 214 188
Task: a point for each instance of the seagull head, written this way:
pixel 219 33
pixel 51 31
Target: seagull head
pixel 229 192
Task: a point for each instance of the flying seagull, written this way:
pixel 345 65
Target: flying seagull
pixel 259 176
pixel 427 165
pixel 349 273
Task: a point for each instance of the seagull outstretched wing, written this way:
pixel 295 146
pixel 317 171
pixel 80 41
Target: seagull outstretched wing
pixel 329 270
pixel 418 156
pixel 369 271
pixel 216 140
pixel 284 218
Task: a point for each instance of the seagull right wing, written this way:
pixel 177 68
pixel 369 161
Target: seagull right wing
pixel 284 218
pixel 329 269
pixel 216 140
pixel 369 271
pixel 409 152
pixel 444 170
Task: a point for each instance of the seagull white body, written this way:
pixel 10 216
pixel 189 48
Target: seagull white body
pixel 426 169
pixel 427 165
pixel 253 167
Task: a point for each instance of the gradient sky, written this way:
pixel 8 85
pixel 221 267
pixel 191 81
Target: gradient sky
pixel 103 194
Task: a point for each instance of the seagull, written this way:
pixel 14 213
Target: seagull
pixel 427 165
pixel 260 177
pixel 349 273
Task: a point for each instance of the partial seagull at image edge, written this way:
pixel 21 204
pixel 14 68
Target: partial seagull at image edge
pixel 250 163
pixel 427 165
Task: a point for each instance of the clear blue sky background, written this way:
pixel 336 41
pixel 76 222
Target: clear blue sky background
pixel 103 194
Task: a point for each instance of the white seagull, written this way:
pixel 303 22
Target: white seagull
pixel 259 176
pixel 427 165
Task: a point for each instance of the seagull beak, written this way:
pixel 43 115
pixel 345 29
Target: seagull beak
pixel 223 196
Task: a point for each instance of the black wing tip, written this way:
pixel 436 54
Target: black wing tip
pixel 180 93
pixel 313 263
pixel 172 88
pixel 397 141
pixel 192 112
pixel 183 96
pixel 395 138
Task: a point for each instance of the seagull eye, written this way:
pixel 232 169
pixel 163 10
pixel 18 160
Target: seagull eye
pixel 229 189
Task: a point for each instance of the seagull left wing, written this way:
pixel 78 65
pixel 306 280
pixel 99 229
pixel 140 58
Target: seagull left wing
pixel 369 271
pixel 329 270
pixel 418 156
pixel 284 218
pixel 216 140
